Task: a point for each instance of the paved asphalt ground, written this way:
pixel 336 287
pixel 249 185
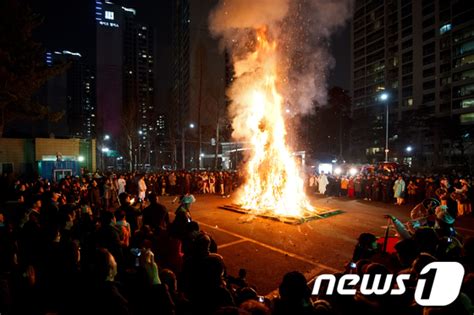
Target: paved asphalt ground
pixel 268 249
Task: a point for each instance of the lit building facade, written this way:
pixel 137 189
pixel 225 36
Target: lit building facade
pixel 125 82
pixel 199 83
pixel 72 93
pixel 421 53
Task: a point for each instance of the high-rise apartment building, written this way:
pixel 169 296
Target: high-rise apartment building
pixel 421 53
pixel 110 28
pixel 199 83
pixel 179 116
pixel 72 93
pixel 125 82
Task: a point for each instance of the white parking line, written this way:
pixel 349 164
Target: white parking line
pixel 275 249
pixel 231 243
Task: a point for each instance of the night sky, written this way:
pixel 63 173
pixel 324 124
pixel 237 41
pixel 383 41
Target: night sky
pixel 341 51
pixel 70 25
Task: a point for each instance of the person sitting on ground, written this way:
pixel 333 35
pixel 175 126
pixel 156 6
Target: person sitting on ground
pixel 193 232
pixel 151 293
pixel 156 215
pixel 255 308
pixel 427 240
pixel 183 306
pixel 203 277
pixel 245 294
pixel 106 298
pixel 407 252
pixel 240 281
pixel 449 249
pixel 295 296
pixel 365 248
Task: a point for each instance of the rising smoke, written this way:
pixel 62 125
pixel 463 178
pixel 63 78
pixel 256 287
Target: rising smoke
pixel 302 29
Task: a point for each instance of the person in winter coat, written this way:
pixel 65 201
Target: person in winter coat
pixel 399 190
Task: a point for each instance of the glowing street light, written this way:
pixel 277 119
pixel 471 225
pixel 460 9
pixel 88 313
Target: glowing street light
pixel 105 149
pixel 409 149
pixel 353 171
pixel 183 145
pixel 338 171
pixel 106 137
pixel 384 98
pixel 80 158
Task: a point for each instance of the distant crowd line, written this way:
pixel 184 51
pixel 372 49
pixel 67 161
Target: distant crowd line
pixel 455 191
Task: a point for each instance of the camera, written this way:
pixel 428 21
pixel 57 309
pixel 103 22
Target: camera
pixel 136 252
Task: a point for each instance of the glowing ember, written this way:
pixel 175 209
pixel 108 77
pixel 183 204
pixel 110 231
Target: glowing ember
pixel 273 182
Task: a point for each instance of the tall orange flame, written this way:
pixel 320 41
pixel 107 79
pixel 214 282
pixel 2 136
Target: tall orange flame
pixel 273 183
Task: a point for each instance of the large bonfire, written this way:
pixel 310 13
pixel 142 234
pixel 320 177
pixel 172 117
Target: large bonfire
pixel 280 57
pixel 273 182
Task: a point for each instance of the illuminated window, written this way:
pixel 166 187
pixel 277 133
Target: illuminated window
pixel 445 28
pixel 465 61
pixel 465 90
pixel 109 15
pixel 467 103
pixel 465 48
pixel 467 118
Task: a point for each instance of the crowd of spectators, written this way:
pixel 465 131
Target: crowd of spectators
pixel 106 245
pixel 399 188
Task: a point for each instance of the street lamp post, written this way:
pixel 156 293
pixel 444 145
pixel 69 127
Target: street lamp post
pixel 104 149
pixel 183 146
pixel 140 133
pixel 384 98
